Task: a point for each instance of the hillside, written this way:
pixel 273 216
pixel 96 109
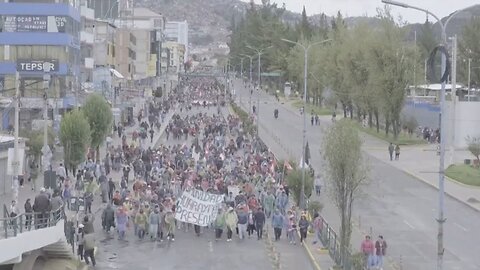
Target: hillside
pixel 209 20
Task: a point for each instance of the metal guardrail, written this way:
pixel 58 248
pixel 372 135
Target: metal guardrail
pixel 331 241
pixel 12 226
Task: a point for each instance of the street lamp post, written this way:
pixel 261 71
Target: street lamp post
pixel 241 67
pixel 16 158
pixel 469 76
pixel 304 136
pixel 250 79
pixel 47 154
pixel 441 176
pixel 259 53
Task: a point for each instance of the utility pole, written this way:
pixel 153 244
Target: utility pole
pixel 453 95
pixel 469 77
pixel 305 48
pixel 441 170
pixel 250 81
pixel 241 68
pixel 259 53
pixel 415 70
pixel 47 154
pixel 258 89
pixel 16 163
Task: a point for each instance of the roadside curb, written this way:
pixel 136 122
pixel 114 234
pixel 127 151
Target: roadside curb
pixel 314 262
pixel 435 187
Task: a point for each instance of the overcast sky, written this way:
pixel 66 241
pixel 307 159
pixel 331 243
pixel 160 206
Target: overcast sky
pixel 368 7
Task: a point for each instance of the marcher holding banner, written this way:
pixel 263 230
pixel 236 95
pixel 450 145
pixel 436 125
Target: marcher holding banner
pixel 198 207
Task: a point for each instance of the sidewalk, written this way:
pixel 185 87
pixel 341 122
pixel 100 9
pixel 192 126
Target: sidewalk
pixel 422 162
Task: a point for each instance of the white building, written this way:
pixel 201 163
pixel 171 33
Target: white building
pixel 178 32
pixel 87 40
pixel 144 25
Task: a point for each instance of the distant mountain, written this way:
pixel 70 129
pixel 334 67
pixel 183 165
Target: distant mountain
pixel 209 20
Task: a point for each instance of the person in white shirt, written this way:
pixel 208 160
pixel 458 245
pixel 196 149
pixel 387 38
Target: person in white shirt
pixel 61 172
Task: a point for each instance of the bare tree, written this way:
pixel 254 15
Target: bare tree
pixel 347 171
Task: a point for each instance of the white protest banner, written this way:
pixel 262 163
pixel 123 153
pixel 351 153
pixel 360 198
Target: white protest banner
pixel 198 207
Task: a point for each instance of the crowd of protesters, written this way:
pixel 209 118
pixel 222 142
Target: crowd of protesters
pixel 205 150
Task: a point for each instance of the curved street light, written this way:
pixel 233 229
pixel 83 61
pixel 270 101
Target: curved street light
pixel 441 178
pixel 259 53
pixel 305 48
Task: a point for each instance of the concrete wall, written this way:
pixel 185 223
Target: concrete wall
pixel 467 122
pixel 14 247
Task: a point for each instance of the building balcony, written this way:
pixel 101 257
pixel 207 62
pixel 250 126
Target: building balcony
pixel 86 37
pixel 87 13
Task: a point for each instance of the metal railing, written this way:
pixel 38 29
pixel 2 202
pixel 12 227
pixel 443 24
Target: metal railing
pixel 331 241
pixel 12 226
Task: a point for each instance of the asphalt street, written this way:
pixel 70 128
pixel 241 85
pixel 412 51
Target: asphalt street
pixel 393 204
pixel 192 252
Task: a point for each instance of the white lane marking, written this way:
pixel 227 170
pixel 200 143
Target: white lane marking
pixel 408 224
pixel 460 226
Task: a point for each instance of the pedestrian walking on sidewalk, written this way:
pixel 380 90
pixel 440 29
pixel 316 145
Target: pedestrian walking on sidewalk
pixel 317 226
pixel 303 226
pixel 381 251
pixel 367 247
pixel 28 214
pixel 397 152
pixel 391 148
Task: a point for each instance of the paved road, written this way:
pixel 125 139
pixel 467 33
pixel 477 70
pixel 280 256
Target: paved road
pixel 192 252
pixel 394 204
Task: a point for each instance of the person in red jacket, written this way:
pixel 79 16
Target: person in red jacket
pixel 368 249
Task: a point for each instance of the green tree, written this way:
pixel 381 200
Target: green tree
pixel 305 27
pixel 358 72
pixel 469 49
pixel 391 70
pixel 262 27
pixel 294 180
pixel 335 64
pixel 35 141
pixel 426 39
pixel 75 137
pixel 99 116
pixel 346 171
